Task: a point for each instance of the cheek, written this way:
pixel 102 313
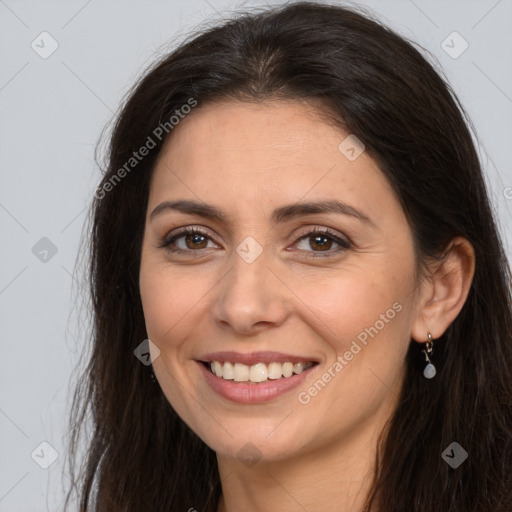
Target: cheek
pixel 168 303
pixel 349 300
pixel 166 300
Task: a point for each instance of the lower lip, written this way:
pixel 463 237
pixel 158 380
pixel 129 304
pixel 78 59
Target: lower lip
pixel 252 392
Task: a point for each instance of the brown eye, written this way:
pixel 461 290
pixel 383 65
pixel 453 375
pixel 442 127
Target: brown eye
pixel 195 241
pixel 187 240
pixel 321 241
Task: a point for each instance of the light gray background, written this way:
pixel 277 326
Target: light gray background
pixel 52 112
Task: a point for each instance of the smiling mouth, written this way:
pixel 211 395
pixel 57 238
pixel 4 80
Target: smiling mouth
pixel 256 373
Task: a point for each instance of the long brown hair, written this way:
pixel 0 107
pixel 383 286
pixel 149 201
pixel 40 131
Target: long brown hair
pixel 141 455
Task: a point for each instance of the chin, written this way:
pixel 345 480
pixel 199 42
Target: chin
pixel 259 441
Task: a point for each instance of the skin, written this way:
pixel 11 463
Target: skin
pixel 247 160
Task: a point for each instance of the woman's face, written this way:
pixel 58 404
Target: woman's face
pixel 258 288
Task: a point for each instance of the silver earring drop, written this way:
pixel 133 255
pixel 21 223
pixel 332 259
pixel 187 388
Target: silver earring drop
pixel 429 371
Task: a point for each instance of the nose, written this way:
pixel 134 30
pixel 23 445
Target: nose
pixel 251 297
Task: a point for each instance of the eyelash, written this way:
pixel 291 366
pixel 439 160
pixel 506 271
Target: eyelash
pixel 342 242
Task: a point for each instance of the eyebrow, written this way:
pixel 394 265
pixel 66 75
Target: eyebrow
pixel 281 214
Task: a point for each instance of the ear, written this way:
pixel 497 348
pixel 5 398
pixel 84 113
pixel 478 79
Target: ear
pixel 444 292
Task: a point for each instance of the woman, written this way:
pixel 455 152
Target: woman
pixel 301 300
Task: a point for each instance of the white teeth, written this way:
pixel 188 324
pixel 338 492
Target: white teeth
pixel 228 371
pixel 275 370
pixel 240 372
pixel 259 372
pixel 287 369
pixel 217 368
pixel 298 368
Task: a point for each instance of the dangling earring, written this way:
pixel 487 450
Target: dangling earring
pixel 430 370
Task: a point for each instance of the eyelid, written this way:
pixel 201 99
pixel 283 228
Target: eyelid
pixel 324 231
pixel 172 236
pixel 342 240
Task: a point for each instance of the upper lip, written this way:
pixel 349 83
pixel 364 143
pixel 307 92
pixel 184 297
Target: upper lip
pixel 254 357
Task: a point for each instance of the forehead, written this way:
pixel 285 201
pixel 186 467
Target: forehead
pixel 247 154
